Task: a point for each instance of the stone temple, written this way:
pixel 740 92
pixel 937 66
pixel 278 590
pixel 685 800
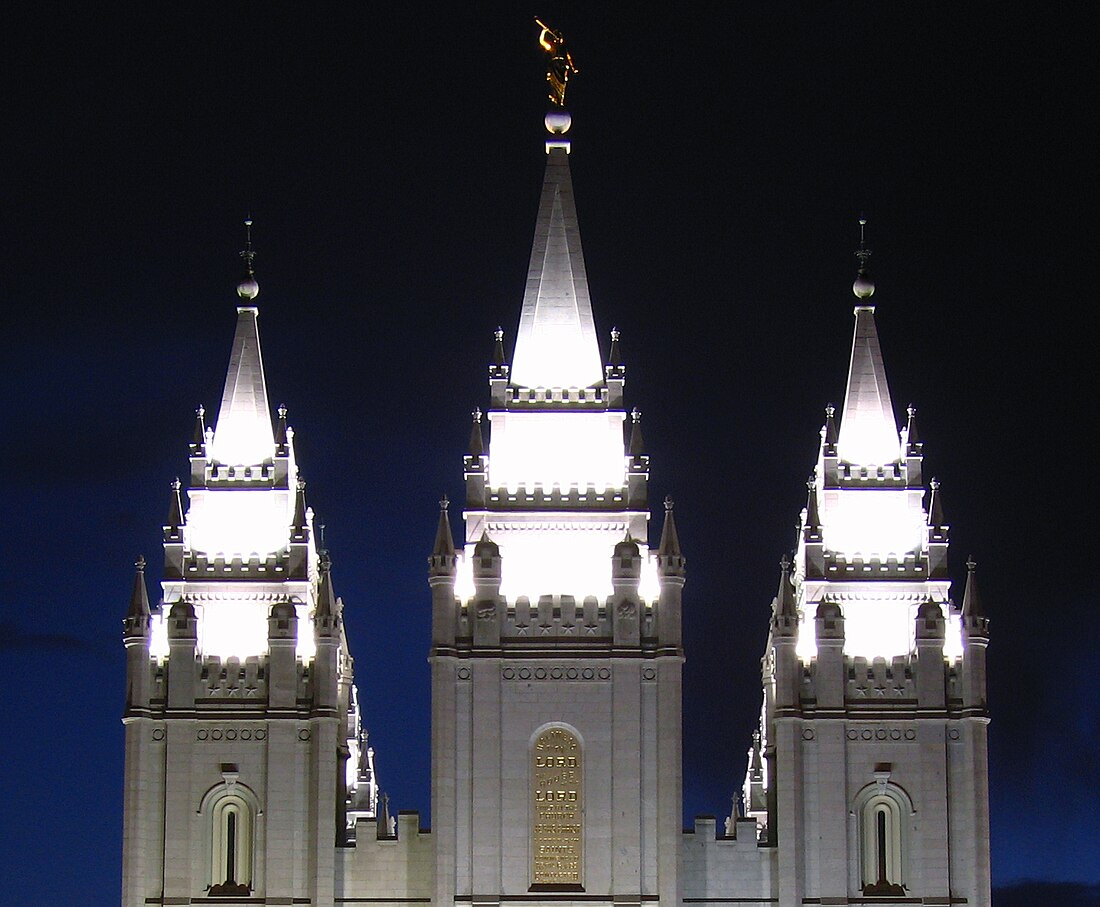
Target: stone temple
pixel 556 658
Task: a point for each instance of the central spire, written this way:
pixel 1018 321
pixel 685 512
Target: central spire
pixel 868 432
pixel 243 434
pixel 556 345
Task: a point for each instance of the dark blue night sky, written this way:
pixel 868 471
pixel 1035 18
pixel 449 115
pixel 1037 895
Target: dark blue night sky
pixel 392 163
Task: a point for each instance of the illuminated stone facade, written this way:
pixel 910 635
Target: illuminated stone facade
pixel 556 665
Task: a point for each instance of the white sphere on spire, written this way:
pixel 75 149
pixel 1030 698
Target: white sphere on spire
pixel 248 288
pixel 863 287
pixel 558 122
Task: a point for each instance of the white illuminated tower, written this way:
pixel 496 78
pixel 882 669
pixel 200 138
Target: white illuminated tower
pixel 873 782
pixel 246 763
pixel 556 650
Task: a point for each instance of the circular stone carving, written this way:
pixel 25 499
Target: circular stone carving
pixel 808 734
pixel 246 734
pixel 463 673
pixel 571 674
pixel 540 673
pixel 556 674
pixel 588 673
pixel 895 734
pixel 524 673
pixel 261 734
pixel 303 734
pixel 852 735
pixel 953 734
pixel 880 734
pixel 215 734
pixel 649 674
pixel 605 674
pixel 230 735
pixel 203 734
pixel 910 734
pixel 866 735
pixel 508 674
pixel 158 733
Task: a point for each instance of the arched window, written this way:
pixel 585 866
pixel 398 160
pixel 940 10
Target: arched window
pixel 557 808
pixel 230 813
pixel 882 836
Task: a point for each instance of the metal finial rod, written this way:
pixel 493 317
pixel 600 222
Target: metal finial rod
pixel 247 253
pixel 863 253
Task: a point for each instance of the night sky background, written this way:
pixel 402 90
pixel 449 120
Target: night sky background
pixel 392 163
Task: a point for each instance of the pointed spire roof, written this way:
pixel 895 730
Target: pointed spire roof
pixel 477 444
pixel 243 433
pixel 326 598
pixel 935 506
pixel 139 597
pixel 556 345
pixel 785 605
pixel 637 445
pixel 972 602
pixel 444 541
pixel 868 432
pixel 670 541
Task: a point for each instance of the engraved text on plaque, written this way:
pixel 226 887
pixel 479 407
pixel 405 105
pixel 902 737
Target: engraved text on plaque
pixel 556 789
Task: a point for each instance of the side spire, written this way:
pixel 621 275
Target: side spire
pixel 972 601
pixel 556 345
pixel 139 598
pixel 444 546
pixel 243 433
pixel 868 432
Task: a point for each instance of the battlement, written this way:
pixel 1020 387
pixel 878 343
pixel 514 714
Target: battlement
pixel 726 868
pixel 551 617
pixel 396 868
pixel 875 684
pixel 222 475
pixel 280 565
pixel 528 398
pixel 540 497
pixel 838 565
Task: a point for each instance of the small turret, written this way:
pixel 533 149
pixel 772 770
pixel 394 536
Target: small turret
pixel 282 441
pixel 487 606
pixel 326 616
pixel 442 564
pixel 829 675
pixel 637 446
pixel 499 370
pixel 136 638
pixel 282 641
pixel 812 529
pixel 477 444
pixel 182 667
pixel 671 575
pixel 975 625
pixel 138 614
pixel 784 605
pixel 174 522
pixel 614 372
pixel 198 439
pixel 930 670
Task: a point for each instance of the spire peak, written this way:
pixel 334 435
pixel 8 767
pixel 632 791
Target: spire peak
pixel 243 434
pixel 868 432
pixel 248 288
pixel 972 602
pixel 556 345
pixel 863 287
pixel 139 597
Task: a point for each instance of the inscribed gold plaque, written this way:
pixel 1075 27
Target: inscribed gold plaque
pixel 556 789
